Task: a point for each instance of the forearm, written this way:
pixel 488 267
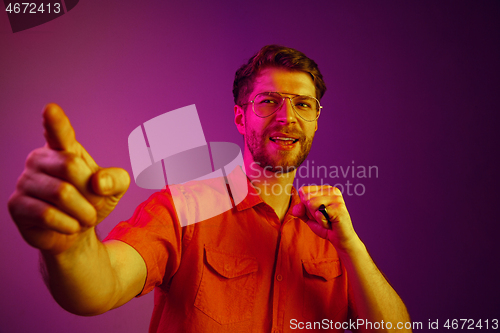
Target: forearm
pixel 375 299
pixel 82 279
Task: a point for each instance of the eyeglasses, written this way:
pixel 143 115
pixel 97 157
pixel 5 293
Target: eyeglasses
pixel 267 103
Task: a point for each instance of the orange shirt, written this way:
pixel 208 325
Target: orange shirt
pixel 240 271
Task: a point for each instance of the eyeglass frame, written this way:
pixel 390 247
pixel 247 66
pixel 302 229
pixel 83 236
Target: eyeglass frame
pixel 282 103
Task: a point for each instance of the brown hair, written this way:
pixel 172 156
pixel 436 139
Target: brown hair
pixel 275 56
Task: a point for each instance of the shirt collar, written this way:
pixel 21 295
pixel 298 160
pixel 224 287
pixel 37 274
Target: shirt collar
pixel 253 198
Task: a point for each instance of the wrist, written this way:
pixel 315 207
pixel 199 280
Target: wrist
pixel 350 246
pixel 83 242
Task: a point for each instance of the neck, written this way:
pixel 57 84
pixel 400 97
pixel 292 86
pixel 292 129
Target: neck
pixel 273 187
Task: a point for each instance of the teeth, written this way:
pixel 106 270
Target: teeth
pixel 280 138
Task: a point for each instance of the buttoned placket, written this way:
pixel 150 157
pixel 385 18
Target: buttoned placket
pixel 279 283
pixel 280 279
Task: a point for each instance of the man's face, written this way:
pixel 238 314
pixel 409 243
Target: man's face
pixel 265 139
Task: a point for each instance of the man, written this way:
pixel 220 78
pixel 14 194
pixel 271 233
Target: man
pixel 275 262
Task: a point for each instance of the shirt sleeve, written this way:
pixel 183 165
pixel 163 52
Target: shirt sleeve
pixel 155 233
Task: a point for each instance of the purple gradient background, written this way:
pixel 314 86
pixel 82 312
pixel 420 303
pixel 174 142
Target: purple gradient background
pixel 413 88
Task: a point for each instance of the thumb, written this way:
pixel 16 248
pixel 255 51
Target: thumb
pixel 299 210
pixel 59 133
pixel 110 182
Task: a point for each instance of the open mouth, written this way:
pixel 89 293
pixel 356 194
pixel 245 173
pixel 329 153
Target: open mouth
pixel 283 141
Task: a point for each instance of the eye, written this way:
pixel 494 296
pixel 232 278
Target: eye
pixel 267 99
pixel 304 102
pixel 303 105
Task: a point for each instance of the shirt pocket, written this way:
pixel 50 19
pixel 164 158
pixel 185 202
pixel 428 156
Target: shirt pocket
pixel 324 291
pixel 228 285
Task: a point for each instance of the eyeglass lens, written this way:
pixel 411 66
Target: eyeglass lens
pixel 267 103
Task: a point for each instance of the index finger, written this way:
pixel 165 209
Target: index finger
pixel 311 191
pixel 59 133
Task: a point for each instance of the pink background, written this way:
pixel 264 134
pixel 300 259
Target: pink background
pixel 413 88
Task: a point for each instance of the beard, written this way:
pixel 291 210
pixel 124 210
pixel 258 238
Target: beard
pixel 283 161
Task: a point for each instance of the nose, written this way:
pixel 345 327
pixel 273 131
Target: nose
pixel 286 113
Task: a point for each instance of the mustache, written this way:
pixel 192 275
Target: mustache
pixel 286 130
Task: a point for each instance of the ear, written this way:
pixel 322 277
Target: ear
pixel 239 119
pixel 316 128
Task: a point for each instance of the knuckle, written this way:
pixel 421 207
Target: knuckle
pixel 13 203
pixel 339 206
pixel 22 181
pixel 26 178
pixel 305 189
pixel 64 192
pixel 47 216
pixel 71 165
pixel 34 157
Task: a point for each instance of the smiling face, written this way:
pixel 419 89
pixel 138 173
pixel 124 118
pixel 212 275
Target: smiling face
pixel 282 141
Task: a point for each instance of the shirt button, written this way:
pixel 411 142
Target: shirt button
pixel 279 278
pixel 276 330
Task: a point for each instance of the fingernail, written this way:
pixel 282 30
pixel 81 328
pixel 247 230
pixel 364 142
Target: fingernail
pixel 105 183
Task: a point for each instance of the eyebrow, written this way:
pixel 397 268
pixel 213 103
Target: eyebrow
pixel 283 93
